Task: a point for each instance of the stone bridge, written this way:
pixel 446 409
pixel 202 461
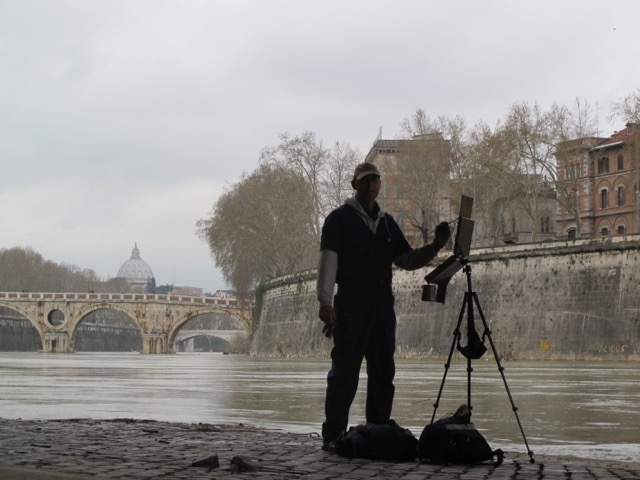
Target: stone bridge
pixel 226 335
pixel 56 316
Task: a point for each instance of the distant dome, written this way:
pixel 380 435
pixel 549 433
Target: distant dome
pixel 136 270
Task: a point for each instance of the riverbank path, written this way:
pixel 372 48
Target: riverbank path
pixel 135 449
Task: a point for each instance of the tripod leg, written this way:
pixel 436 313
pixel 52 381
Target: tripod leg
pixel 487 332
pixel 470 322
pixel 456 338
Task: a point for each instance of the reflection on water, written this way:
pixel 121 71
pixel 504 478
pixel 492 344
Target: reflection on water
pixel 568 408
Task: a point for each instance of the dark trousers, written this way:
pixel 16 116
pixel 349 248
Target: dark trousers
pixel 363 330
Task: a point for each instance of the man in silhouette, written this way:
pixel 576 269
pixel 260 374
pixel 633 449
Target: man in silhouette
pixel 360 243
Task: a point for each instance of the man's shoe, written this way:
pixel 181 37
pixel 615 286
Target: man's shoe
pixel 329 446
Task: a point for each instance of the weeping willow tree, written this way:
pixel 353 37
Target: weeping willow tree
pixel 261 228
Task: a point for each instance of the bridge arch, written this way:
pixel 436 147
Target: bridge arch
pixel 124 331
pixel 83 313
pixel 26 314
pixel 181 320
pixel 214 340
pixel 22 311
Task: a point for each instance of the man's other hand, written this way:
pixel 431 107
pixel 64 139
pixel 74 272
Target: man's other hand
pixel 443 233
pixel 328 315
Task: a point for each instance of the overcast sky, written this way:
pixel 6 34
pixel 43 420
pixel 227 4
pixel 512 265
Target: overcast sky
pixel 122 121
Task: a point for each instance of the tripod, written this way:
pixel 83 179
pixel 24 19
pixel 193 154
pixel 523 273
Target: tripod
pixel 475 349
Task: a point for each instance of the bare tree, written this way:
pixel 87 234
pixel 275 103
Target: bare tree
pixel 524 134
pixel 456 132
pixel 531 140
pixel 489 182
pixel 306 158
pixel 508 168
pixel 261 228
pixel 627 108
pixel 573 128
pixel 532 136
pixel 326 172
pixel 336 178
pixel 418 124
pixel 416 185
pixel 420 184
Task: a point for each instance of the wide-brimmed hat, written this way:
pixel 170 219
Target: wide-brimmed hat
pixel 365 169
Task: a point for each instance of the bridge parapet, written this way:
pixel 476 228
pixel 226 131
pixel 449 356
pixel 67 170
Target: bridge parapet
pixel 128 297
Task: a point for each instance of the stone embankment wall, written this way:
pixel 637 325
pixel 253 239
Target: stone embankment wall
pixel 575 300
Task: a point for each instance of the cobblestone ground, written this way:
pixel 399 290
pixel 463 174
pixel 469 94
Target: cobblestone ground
pixel 136 449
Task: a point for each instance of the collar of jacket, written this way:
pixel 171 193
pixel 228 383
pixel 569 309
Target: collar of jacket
pixel 372 224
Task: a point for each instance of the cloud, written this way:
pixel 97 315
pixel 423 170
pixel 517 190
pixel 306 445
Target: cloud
pixel 122 121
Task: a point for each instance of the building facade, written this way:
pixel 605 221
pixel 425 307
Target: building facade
pixel 598 185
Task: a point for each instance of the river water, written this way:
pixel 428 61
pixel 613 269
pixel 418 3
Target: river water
pixel 583 409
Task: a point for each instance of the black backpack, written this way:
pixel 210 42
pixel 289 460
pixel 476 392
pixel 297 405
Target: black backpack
pixel 454 439
pixel 386 441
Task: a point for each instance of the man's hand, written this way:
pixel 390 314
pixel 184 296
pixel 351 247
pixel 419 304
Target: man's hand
pixel 443 233
pixel 328 315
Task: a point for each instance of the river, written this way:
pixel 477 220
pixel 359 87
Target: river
pixel 584 409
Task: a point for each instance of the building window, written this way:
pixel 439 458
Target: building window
pixel 574 198
pixel 603 165
pixel 620 196
pixel 571 234
pixel 605 231
pixel 572 171
pixel 604 198
pixel 620 162
pixel 620 229
pixel 545 224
